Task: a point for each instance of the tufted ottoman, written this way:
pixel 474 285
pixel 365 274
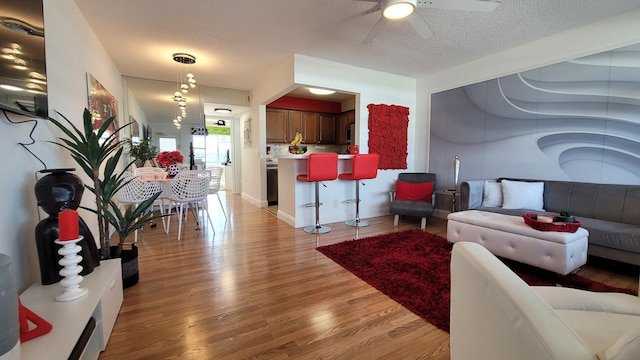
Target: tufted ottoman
pixel 509 237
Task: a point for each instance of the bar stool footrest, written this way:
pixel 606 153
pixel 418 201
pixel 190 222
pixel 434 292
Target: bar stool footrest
pixel 313 229
pixel 357 223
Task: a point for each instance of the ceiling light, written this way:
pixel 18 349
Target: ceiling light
pixel 37 76
pixel 11 87
pixel 32 86
pixel 398 9
pixel 223 110
pixel 321 91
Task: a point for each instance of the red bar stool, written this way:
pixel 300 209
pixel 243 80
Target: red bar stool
pixel 364 166
pixel 320 167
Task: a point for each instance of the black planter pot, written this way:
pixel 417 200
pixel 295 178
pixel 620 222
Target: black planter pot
pixel 129 264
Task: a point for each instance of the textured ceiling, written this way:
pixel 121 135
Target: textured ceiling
pixel 235 41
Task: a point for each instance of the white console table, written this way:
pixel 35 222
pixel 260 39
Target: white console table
pixel 70 318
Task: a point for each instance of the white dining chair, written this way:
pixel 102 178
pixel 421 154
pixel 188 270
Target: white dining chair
pixel 135 191
pixel 214 186
pixel 154 173
pixel 189 188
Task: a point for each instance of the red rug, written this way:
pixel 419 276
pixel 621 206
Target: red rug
pixel 412 268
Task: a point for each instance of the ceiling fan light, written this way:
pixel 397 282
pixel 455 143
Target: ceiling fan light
pixel 398 9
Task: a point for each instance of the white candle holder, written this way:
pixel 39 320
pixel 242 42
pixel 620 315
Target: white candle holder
pixel 70 270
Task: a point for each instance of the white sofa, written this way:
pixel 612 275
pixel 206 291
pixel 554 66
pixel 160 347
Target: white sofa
pixel 496 315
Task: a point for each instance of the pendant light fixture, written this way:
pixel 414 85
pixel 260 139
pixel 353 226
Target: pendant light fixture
pixel 183 85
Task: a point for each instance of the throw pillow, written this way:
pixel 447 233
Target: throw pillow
pixel 492 194
pixel 522 195
pixel 410 191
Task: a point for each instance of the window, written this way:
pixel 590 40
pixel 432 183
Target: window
pixel 167 144
pixel 212 149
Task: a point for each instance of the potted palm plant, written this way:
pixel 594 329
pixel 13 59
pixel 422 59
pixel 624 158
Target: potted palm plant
pixel 141 152
pixel 98 152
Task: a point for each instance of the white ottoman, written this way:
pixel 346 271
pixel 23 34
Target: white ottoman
pixel 509 237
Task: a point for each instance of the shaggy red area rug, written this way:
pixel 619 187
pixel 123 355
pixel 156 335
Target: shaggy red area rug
pixel 412 268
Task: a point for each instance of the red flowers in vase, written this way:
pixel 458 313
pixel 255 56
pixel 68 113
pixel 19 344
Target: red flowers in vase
pixel 167 158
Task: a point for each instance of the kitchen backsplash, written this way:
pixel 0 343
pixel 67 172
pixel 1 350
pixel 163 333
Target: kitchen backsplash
pixel 283 149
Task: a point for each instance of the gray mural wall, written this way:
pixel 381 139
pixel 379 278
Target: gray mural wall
pixel 577 120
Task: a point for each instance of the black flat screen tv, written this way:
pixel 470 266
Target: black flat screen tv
pixel 23 76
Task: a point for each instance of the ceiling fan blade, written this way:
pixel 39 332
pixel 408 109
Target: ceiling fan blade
pixel 468 5
pixel 375 8
pixel 375 31
pixel 420 25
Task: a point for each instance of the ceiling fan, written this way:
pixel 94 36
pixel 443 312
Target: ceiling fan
pixel 405 9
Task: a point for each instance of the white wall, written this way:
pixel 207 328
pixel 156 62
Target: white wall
pixel 72 50
pixel 277 82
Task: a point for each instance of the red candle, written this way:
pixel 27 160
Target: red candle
pixel 68 225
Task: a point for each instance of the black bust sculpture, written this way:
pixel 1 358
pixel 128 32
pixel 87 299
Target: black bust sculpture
pixel 57 191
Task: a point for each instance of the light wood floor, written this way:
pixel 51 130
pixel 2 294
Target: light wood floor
pixel 259 289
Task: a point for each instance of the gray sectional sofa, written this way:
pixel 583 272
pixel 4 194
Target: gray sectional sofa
pixel 611 213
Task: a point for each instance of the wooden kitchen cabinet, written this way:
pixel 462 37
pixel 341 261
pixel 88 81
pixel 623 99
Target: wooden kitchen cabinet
pixel 306 123
pixel 310 125
pixel 316 128
pixel 295 124
pixel 278 126
pixel 327 129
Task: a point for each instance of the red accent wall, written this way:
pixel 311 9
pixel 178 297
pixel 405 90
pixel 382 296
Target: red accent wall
pixel 294 103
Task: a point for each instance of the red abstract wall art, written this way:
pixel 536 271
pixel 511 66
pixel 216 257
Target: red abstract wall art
pixel 388 134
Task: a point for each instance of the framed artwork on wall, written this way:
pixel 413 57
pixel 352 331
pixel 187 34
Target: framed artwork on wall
pixel 135 129
pixel 102 104
pixel 247 133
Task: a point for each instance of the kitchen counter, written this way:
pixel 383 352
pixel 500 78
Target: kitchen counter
pixel 306 156
pixel 293 195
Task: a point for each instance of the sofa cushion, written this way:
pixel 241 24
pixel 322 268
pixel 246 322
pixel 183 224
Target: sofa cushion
pixel 411 208
pixel 492 196
pixel 627 347
pixel 598 330
pixel 522 195
pixel 414 191
pixel 561 298
pixel 612 234
pixel 610 202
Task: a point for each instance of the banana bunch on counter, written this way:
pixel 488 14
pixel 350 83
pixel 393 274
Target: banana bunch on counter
pixel 297 139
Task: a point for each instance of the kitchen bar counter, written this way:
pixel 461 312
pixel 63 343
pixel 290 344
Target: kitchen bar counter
pixel 337 197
